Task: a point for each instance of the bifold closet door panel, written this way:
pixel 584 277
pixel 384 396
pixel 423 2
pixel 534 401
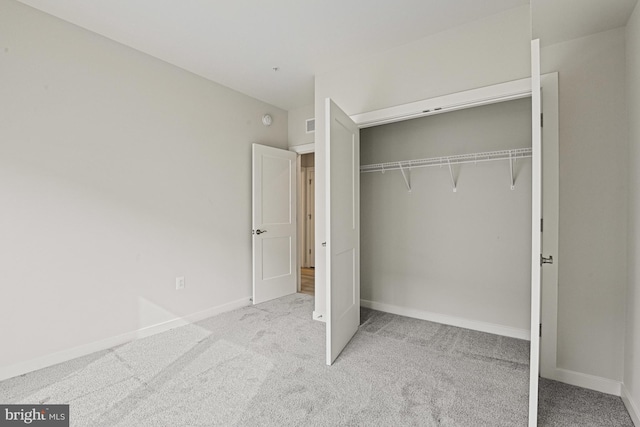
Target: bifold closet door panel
pixel 343 229
pixel 536 232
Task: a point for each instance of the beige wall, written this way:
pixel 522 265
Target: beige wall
pixel 118 172
pixel 632 343
pixel 465 254
pixel 297 125
pixel 482 53
pixel 593 181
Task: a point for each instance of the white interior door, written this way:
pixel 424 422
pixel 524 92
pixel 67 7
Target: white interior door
pixel 343 229
pixel 536 217
pixel 274 223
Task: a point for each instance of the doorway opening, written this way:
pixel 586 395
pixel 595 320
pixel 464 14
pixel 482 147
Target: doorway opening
pixel 306 207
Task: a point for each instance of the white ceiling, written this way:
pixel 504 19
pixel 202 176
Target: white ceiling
pixel 238 42
pixel 556 21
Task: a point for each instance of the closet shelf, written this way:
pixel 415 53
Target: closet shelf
pixel 514 154
pixel 405 166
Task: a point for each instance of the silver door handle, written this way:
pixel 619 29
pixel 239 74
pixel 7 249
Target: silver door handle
pixel 260 231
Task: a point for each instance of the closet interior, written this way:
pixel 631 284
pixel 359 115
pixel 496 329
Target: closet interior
pixel 445 211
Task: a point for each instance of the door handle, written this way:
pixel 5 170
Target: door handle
pixel 548 260
pixel 260 231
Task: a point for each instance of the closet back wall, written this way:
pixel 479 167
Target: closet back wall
pixel 464 254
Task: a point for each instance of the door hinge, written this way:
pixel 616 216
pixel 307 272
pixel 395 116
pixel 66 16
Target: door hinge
pixel 541 120
pixel 309 216
pixel 309 251
pixel 541 225
pixel 309 182
pixel 540 330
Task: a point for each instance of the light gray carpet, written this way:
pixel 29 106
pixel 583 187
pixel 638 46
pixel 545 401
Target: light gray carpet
pixel 264 366
pixel 563 405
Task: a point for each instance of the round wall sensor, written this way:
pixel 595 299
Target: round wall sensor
pixel 267 120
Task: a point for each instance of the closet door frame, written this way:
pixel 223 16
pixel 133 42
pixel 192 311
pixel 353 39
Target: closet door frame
pixel 516 89
pixel 550 215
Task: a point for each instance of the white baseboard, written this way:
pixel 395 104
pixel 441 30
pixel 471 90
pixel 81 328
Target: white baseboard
pixel 319 316
pixel 632 408
pixel 460 322
pixel 592 382
pixel 86 349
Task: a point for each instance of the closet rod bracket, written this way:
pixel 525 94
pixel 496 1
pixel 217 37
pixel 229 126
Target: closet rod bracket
pixel 512 160
pixel 453 181
pixel 406 175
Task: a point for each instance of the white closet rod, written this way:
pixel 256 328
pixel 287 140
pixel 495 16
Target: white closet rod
pixel 517 153
pixel 405 166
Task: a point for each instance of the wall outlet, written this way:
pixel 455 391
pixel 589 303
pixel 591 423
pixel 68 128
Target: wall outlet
pixel 179 283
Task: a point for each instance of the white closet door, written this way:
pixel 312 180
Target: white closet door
pixel 343 229
pixel 274 223
pixel 536 217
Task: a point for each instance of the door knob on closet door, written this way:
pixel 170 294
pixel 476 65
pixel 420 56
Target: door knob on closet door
pixel 260 231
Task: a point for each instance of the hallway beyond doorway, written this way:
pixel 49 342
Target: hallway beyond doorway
pixel 307 285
